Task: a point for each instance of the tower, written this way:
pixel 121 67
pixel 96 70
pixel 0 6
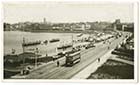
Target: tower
pixel 117 24
pixel 117 21
pixel 44 20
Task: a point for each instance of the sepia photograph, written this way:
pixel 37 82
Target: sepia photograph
pixel 64 40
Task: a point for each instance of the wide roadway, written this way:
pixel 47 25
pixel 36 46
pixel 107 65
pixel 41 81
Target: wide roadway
pixel 51 71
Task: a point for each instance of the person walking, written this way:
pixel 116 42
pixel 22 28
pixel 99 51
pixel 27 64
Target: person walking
pixel 98 59
pixel 58 63
pixel 108 47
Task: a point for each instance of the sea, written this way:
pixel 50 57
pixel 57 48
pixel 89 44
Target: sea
pixel 14 40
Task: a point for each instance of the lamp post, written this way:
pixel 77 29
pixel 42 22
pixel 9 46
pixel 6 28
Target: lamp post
pixel 72 41
pixel 23 47
pixel 36 55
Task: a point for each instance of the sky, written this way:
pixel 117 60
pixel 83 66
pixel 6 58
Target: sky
pixel 67 11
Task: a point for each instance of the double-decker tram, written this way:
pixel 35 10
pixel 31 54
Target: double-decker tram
pixel 72 58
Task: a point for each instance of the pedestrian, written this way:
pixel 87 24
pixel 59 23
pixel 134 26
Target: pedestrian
pixel 58 63
pixel 108 47
pixel 98 59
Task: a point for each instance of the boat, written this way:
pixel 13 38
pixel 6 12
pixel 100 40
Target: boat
pixel 31 43
pixel 54 40
pixel 64 46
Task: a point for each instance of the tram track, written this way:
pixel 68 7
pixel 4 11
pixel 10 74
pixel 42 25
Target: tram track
pixel 88 56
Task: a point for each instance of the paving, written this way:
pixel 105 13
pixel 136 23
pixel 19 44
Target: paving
pixel 92 67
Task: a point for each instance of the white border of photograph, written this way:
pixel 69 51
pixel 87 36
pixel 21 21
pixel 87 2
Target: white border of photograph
pixel 136 58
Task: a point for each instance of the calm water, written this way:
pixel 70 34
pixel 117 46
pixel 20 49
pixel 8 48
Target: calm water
pixel 14 39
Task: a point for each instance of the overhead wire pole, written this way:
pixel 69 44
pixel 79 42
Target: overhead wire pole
pixel 23 49
pixel 23 56
pixel 23 44
pixel 72 41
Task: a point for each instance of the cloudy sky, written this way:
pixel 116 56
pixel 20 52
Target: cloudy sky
pixel 67 11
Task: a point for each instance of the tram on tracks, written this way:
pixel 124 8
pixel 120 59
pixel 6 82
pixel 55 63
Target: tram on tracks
pixel 72 58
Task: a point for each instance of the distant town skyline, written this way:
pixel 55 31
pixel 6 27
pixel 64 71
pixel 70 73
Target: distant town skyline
pixel 67 12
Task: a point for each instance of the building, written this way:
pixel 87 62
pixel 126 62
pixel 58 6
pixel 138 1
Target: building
pixel 117 25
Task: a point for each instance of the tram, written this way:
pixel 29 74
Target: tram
pixel 72 58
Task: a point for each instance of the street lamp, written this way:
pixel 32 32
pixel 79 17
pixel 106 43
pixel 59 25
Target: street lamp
pixel 36 55
pixel 72 41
